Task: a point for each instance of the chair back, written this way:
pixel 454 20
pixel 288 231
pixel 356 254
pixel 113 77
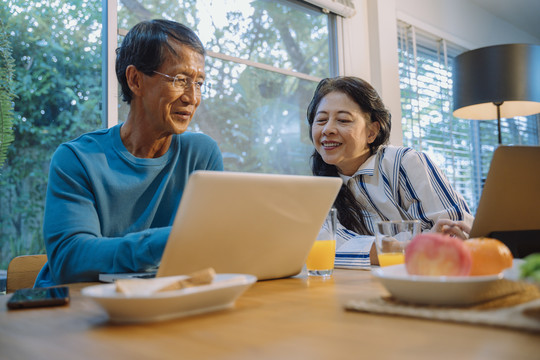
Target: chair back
pixel 23 270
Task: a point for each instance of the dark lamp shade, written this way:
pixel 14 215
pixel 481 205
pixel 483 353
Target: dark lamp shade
pixel 507 74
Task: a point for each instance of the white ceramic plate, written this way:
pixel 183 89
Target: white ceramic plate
pixel 220 294
pixel 436 290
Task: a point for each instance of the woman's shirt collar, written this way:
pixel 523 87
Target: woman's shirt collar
pixel 367 168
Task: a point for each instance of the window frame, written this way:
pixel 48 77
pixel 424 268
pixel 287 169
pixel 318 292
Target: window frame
pixel 110 28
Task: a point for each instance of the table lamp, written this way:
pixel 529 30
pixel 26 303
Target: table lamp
pixel 497 81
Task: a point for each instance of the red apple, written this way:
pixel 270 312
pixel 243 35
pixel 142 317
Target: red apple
pixel 437 255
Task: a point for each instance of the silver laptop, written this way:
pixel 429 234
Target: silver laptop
pixel 509 206
pixel 259 224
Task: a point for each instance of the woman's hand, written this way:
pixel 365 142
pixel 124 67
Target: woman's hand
pixel 453 228
pixel 458 229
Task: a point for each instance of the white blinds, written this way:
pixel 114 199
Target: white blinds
pixel 462 148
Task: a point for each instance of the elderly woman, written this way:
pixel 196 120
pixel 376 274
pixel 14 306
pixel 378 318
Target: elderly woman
pixel 350 126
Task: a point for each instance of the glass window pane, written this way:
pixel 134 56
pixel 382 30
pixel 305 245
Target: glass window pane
pixel 57 51
pixel 282 34
pixel 257 116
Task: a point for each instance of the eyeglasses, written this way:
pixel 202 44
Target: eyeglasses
pixel 181 82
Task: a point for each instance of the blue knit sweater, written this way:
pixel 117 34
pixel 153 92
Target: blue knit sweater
pixel 107 211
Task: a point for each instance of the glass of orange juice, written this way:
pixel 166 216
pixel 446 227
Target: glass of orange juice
pixel 320 260
pixel 391 239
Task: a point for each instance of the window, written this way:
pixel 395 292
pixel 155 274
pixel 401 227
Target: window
pixel 264 61
pixel 462 148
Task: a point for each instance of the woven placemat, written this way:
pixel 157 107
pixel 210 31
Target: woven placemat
pixel 513 305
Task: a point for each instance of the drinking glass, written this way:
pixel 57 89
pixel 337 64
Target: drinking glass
pixel 320 260
pixel 391 239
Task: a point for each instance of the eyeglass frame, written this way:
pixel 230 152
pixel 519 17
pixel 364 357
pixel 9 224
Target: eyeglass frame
pixel 201 87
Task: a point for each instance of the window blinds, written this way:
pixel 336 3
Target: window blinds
pixel 461 148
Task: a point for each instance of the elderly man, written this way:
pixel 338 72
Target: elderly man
pixel 113 193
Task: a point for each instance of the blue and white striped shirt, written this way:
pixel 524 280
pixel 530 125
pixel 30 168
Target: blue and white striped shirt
pixel 399 183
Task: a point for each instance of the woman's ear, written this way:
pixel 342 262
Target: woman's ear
pixel 134 80
pixel 373 131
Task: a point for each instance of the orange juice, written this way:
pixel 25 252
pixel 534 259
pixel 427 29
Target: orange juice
pixel 388 259
pixel 321 256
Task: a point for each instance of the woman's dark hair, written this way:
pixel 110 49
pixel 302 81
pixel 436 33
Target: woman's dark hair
pixel 145 47
pixel 360 91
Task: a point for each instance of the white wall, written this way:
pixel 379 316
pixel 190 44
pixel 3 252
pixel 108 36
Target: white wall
pixel 373 56
pixel 463 20
pixel 370 48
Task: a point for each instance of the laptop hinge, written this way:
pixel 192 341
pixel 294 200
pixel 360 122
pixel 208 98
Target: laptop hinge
pixel 520 242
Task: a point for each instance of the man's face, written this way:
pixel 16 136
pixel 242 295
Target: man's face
pixel 169 108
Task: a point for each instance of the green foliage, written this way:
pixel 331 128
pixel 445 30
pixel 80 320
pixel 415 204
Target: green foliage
pixel 57 51
pixel 530 268
pixel 6 94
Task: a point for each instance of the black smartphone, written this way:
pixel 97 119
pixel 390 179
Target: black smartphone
pixel 38 297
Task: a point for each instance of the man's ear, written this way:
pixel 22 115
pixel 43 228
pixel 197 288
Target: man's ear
pixel 134 80
pixel 373 131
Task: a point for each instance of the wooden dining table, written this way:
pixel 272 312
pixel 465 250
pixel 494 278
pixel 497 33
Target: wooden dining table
pixel 294 318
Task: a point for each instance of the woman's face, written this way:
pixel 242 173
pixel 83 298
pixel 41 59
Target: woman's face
pixel 342 132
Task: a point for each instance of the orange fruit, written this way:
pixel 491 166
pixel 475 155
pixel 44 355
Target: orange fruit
pixel 489 256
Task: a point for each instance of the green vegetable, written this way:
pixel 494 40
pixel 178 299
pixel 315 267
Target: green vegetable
pixel 530 269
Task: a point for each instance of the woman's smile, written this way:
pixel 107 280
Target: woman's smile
pixel 330 145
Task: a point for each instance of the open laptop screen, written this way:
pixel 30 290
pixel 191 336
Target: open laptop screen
pixel 258 224
pixel 509 208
